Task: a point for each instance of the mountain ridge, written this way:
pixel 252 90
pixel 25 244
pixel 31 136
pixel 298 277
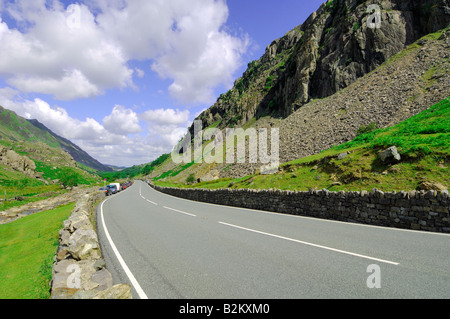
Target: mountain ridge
pixel 15 128
pixel 74 150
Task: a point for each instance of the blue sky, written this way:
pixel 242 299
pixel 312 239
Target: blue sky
pixel 123 79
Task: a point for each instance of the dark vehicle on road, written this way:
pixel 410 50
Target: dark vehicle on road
pixel 111 189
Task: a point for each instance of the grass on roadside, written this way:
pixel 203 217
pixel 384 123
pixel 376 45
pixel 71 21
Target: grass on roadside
pixel 422 140
pixel 27 249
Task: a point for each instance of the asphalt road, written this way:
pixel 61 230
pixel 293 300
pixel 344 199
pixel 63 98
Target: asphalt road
pixel 171 248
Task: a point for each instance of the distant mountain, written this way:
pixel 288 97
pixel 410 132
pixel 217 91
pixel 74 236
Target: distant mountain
pixel 16 128
pixel 115 168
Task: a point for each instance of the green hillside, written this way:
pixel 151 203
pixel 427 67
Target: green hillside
pixel 16 128
pixel 423 142
pixel 54 168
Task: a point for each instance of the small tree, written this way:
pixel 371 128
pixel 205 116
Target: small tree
pixel 69 180
pixel 190 179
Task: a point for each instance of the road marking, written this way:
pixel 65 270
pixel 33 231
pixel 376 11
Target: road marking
pixel 311 244
pixel 252 210
pixel 151 202
pixel 127 270
pixel 179 211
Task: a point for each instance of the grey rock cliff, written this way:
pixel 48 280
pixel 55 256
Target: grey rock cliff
pixel 333 48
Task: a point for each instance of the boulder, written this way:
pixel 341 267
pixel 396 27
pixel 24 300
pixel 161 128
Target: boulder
pixel 342 156
pixel 391 155
pixel 431 186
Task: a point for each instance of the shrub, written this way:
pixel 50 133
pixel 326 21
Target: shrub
pixel 190 179
pixel 367 128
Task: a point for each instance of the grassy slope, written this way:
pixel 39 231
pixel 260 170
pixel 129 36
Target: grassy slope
pixel 24 138
pixel 27 249
pixel 423 141
pixel 15 184
pixel 13 127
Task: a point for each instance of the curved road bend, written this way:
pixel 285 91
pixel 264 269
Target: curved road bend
pixel 171 248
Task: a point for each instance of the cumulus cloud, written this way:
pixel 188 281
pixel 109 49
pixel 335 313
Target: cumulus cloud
pixel 166 116
pixel 122 121
pixel 166 126
pixel 84 49
pixel 114 141
pixel 54 57
pixel 87 48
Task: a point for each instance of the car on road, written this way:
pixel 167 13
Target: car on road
pixel 112 189
pixel 105 190
pixel 117 185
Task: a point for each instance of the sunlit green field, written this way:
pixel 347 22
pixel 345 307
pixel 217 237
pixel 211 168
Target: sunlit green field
pixel 27 249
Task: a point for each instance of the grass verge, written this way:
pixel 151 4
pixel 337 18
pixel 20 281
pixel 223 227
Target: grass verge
pixel 423 142
pixel 27 248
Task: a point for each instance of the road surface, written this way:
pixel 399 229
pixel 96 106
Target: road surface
pixel 171 248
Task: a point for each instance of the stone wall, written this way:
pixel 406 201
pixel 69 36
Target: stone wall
pixel 79 271
pixel 417 210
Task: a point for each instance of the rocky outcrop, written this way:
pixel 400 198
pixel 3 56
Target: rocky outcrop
pixel 79 271
pixel 19 163
pixel 407 84
pixel 334 74
pixel 334 47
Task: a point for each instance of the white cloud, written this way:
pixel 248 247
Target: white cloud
pixel 109 142
pixel 122 121
pixel 53 57
pixel 166 116
pixel 166 126
pixel 85 49
pixel 140 73
pixel 88 48
pixel 71 86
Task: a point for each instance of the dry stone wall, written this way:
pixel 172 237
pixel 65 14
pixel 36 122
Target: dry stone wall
pixel 79 271
pixel 417 210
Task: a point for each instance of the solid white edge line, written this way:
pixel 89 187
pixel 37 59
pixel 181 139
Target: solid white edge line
pixel 179 211
pixel 311 244
pixel 127 270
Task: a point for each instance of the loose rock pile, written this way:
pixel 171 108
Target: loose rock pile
pixel 79 271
